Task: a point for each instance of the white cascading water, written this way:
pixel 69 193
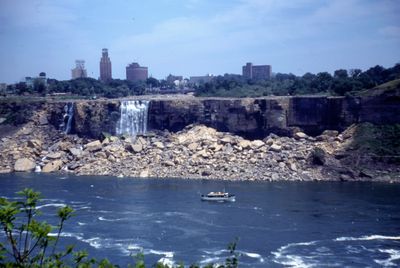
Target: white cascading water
pixel 133 120
pixel 67 117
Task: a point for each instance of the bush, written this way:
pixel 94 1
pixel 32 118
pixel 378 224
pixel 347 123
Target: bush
pixel 318 156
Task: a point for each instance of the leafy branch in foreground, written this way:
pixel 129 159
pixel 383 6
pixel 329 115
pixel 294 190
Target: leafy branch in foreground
pixel 31 243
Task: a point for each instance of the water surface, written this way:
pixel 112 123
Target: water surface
pixel 308 224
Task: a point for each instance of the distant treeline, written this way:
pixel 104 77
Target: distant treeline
pixel 341 83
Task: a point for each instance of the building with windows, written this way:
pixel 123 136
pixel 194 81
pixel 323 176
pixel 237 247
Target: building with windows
pixel 135 72
pixel 105 66
pixel 256 72
pixel 41 79
pixel 79 71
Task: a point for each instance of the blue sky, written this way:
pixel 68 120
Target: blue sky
pixel 196 37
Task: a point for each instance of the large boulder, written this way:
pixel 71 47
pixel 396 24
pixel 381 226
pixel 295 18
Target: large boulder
pixel 75 152
pixel 300 135
pixel 34 143
pixel 93 146
pixel 158 144
pixel 257 144
pixel 330 133
pixel 244 144
pixel 275 148
pixel 137 147
pixel 193 146
pixel 55 155
pixel 24 164
pixel 52 166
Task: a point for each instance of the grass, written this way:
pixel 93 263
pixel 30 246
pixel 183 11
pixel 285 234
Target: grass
pixel 380 140
pixel 388 87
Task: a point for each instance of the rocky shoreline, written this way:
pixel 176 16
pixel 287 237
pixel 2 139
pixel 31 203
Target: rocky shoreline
pixel 196 152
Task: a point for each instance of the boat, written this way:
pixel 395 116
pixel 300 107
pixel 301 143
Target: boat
pixel 218 196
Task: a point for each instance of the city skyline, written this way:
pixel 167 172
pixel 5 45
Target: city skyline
pixel 196 37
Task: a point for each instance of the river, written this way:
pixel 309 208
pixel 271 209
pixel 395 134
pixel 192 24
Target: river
pixel 299 224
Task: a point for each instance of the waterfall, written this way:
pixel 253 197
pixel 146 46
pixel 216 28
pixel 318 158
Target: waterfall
pixel 67 117
pixel 133 119
pixel 38 168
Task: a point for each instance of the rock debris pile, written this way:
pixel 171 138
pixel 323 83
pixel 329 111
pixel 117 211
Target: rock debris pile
pixel 197 152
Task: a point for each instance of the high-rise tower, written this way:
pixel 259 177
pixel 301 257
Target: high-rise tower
pixel 79 71
pixel 105 66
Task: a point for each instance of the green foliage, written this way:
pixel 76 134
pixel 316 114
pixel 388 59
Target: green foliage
pixel 342 83
pixel 318 156
pixel 381 141
pixel 88 87
pixel 30 244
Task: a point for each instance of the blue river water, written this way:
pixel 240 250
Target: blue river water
pixel 279 224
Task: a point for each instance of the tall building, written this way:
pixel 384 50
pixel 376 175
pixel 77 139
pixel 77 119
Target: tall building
pixel 79 71
pixel 256 72
pixel 105 66
pixel 135 72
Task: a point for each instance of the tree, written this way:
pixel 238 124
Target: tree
pixel 153 82
pixel 29 242
pixel 22 88
pixel 354 73
pixel 341 73
pixel 324 81
pixel 39 87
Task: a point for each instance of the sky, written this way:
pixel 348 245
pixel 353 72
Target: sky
pixel 196 37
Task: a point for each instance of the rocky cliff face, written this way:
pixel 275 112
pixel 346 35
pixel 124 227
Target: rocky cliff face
pixel 94 117
pixel 256 118
pixel 250 118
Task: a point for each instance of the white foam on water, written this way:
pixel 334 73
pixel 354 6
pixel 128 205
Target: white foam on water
pixel 62 178
pixel 52 205
pixel 214 260
pixel 104 211
pixel 174 213
pixel 81 223
pixel 134 247
pixel 321 253
pixel 252 255
pixel 81 207
pixel 111 220
pixel 104 198
pixel 216 252
pixel 393 256
pixel 367 238
pixel 282 257
pixel 78 236
pixel 167 259
pixel 94 242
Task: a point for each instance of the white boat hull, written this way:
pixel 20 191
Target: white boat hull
pixel 219 199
